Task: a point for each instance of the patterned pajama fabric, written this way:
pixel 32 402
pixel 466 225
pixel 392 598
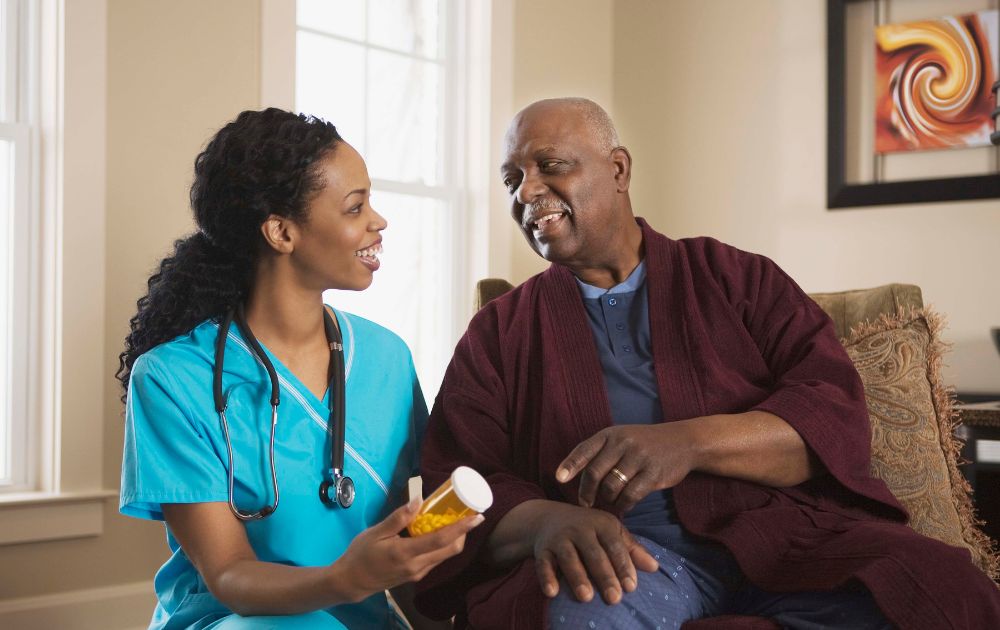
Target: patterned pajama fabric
pixel 706 584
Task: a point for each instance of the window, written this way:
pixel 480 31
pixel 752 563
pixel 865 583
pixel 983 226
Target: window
pixel 390 74
pixel 53 300
pixel 16 462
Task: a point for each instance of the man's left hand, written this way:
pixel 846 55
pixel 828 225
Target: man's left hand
pixel 620 465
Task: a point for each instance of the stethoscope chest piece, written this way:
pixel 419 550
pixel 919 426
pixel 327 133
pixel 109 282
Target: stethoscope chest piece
pixel 338 491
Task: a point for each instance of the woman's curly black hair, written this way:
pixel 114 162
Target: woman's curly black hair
pixel 263 163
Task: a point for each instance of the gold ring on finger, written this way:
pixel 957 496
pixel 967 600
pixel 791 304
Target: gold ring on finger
pixel 621 476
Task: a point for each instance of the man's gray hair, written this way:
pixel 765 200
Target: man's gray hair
pixel 597 119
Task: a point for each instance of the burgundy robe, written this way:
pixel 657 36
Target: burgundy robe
pixel 730 333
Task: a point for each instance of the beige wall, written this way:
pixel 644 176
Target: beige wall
pixel 176 72
pixel 723 105
pixel 561 48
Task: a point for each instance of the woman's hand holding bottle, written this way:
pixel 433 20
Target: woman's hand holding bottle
pixel 380 558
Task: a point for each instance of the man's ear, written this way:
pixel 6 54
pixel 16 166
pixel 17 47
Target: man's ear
pixel 279 233
pixel 622 161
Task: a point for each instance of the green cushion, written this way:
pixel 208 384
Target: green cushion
pixel 850 308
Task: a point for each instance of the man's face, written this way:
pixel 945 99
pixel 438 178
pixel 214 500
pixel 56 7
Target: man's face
pixel 561 183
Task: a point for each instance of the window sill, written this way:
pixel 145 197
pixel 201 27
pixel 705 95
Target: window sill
pixel 27 517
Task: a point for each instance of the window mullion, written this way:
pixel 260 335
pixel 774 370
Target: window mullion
pixel 14 352
pixel 23 454
pixel 427 239
pixel 366 94
pixel 10 29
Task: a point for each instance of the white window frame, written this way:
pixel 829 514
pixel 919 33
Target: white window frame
pixel 60 494
pixel 19 474
pixel 18 125
pixel 466 183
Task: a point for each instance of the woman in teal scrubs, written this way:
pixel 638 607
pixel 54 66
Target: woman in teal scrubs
pixel 282 208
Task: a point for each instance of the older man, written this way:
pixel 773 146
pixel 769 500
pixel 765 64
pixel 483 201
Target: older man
pixel 671 429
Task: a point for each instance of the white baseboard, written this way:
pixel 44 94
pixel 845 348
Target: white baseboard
pixel 119 607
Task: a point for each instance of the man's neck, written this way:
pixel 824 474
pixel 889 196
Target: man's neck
pixel 625 254
pixel 607 277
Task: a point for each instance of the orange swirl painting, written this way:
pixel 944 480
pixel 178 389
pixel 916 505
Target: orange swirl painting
pixel 933 83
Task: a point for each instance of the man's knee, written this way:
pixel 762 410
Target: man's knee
pixel 665 598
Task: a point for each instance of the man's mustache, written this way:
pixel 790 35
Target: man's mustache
pixel 534 211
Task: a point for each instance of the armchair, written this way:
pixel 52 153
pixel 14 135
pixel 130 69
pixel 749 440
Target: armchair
pixel 894 343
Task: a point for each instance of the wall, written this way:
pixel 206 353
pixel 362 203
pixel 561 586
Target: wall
pixel 176 71
pixel 561 48
pixel 723 105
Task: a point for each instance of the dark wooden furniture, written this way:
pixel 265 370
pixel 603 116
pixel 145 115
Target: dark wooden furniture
pixel 980 429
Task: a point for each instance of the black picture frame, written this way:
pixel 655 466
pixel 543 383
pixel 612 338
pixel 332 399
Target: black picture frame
pixel 839 193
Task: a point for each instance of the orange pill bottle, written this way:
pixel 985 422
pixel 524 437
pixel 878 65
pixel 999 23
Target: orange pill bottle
pixel 465 493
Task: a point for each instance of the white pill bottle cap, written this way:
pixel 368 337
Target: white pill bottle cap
pixel 471 489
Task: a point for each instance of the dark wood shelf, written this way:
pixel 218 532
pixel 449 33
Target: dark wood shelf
pixel 980 421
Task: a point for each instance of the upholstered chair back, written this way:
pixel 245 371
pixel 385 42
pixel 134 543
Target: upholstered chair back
pixel 895 346
pixel 848 309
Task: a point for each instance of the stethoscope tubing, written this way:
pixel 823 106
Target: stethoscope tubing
pixel 339 385
pixel 337 479
pixel 267 510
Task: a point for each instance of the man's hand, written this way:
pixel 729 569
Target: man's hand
pixel 622 464
pixel 588 547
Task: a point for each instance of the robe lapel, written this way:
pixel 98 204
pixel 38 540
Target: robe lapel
pixel 680 396
pixel 564 315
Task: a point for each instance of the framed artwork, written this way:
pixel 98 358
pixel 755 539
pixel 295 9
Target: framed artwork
pixel 911 101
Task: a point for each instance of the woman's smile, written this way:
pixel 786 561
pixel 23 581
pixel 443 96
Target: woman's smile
pixel 369 255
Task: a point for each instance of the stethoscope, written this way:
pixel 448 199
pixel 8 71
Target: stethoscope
pixel 336 487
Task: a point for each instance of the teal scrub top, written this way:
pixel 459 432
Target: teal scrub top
pixel 175 452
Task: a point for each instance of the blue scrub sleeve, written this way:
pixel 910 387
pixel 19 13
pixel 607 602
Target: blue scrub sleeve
pixel 168 457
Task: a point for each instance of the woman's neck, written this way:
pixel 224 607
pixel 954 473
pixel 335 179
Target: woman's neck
pixel 283 315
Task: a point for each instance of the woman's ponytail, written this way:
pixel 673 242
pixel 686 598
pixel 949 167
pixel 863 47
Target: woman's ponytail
pixel 263 163
pixel 197 282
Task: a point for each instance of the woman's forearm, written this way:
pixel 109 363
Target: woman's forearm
pixel 217 545
pixel 252 587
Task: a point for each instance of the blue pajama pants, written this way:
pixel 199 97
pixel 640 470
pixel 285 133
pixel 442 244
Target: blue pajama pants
pixel 701 579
